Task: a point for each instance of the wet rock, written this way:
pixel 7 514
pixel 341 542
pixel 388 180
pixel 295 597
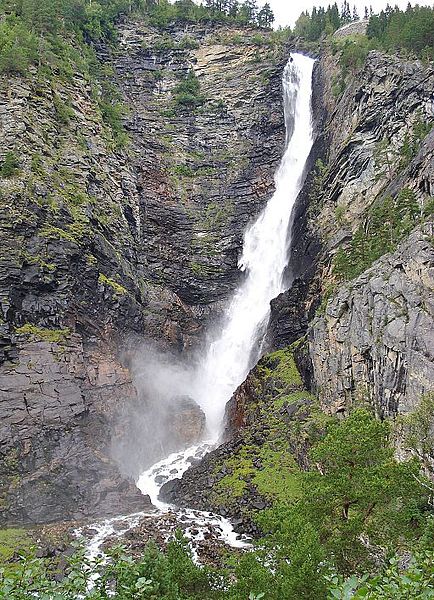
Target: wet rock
pixel 186 422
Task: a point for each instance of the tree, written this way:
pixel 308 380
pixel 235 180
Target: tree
pixel 356 488
pixel 418 430
pixel 248 10
pixel 265 16
pixel 355 14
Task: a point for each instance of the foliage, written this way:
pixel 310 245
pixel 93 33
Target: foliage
pixel 414 582
pixel 356 504
pixel 169 576
pixel 42 333
pixel 64 111
pixel 187 94
pixel 387 222
pixel 411 30
pixel 418 432
pixel 413 140
pixel 18 46
pixel 220 11
pixel 312 26
pixel 10 165
pixel 357 496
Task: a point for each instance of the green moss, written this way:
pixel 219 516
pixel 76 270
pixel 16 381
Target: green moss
pixel 278 479
pixel 183 171
pixel 281 365
pixel 91 260
pixel 38 260
pixel 118 289
pixel 13 541
pixel 241 469
pixel 41 333
pixel 291 398
pixel 75 232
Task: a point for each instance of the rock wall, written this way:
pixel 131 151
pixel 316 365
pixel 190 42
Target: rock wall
pixel 104 245
pixel 351 350
pixel 374 342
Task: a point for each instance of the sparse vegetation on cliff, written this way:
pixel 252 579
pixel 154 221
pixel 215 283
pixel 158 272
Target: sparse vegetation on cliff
pixel 387 223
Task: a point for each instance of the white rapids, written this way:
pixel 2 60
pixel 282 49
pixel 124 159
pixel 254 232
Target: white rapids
pixel 237 346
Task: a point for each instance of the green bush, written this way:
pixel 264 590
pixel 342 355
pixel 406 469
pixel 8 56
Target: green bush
pixel 386 225
pixel 10 166
pixel 18 46
pixel 64 111
pixel 187 93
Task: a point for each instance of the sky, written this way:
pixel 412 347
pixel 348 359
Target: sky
pixel 287 11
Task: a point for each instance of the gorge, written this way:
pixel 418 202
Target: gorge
pixel 217 255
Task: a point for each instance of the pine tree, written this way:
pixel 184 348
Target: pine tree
pixel 248 10
pixel 265 16
pixel 355 14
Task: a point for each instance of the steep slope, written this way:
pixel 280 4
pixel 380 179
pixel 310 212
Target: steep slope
pixel 375 154
pixel 104 245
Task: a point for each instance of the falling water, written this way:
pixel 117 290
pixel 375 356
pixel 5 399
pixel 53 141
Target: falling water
pixel 226 364
pixel 264 257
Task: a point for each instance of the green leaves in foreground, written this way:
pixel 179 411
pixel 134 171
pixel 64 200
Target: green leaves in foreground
pixel 358 507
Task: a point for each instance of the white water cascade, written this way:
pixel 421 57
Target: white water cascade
pixel 231 353
pixel 264 257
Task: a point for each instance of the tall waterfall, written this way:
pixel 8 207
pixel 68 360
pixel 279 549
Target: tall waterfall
pixel 264 257
pixel 225 365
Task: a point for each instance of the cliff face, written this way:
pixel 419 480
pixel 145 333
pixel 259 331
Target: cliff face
pixel 102 246
pixel 371 342
pixel 374 342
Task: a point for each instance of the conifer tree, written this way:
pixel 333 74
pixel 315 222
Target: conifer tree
pixel 265 16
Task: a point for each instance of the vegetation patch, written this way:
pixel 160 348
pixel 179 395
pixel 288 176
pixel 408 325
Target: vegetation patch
pixel 10 165
pixel 56 336
pixel 387 223
pixel 13 542
pixel 187 95
pixel 117 288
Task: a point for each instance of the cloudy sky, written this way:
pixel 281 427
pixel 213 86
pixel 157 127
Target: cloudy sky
pixel 287 11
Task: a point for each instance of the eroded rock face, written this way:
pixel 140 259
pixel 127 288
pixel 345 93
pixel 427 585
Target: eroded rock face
pixel 106 245
pixel 361 148
pixel 55 435
pixel 381 105
pixel 374 343
pixel 186 424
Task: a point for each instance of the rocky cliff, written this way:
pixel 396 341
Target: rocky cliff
pixel 374 341
pixel 364 159
pixel 108 240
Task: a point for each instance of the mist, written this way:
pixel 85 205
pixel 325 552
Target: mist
pixel 163 417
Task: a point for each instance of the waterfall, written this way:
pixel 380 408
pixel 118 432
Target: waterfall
pixel 236 348
pixel 264 257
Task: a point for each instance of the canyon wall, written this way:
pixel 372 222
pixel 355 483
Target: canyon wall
pixel 107 244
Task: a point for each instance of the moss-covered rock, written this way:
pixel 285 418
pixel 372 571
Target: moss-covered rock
pixel 271 423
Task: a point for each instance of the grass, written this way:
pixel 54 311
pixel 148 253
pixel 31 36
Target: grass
pixel 56 336
pixel 12 541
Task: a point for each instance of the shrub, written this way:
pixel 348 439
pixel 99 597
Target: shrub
pixel 18 46
pixel 386 224
pixel 10 166
pixel 187 93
